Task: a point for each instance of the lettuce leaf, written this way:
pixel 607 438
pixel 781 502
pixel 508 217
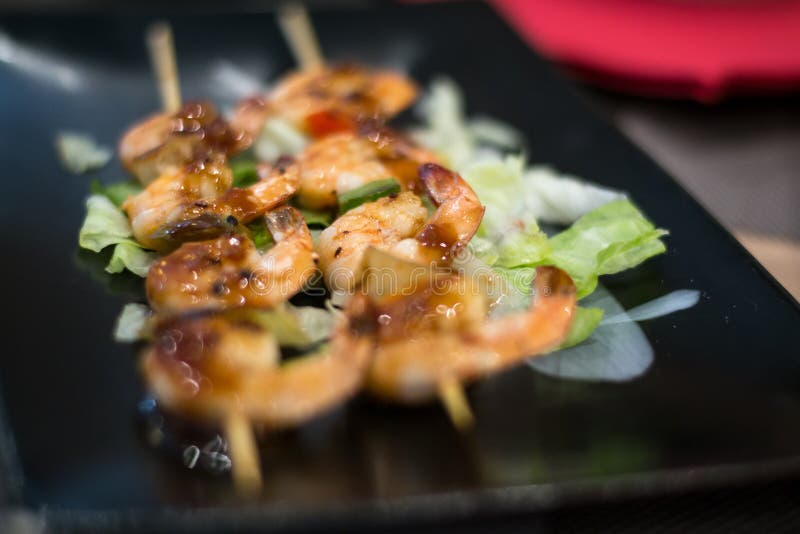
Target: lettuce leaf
pixel 445 130
pixel 294 326
pixel 609 239
pixel 498 183
pixel 105 225
pixel 584 322
pixel 279 137
pixel 506 224
pixel 79 153
pixel 132 323
pixel 560 198
pixel 130 255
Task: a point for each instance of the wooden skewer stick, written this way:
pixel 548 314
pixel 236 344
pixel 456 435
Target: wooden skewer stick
pixel 298 31
pixel 162 56
pixel 246 465
pixel 451 393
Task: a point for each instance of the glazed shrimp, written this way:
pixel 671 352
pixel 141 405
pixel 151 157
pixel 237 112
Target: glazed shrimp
pixel 398 224
pixel 211 366
pixel 230 272
pixel 164 142
pixel 413 359
pixel 344 161
pixel 197 201
pixel 327 100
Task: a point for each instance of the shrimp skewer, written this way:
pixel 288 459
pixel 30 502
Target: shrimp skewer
pixel 327 100
pixel 319 99
pixel 179 134
pixel 229 272
pixel 399 225
pixel 198 201
pixel 209 366
pixel 164 142
pixel 412 367
pixel 157 146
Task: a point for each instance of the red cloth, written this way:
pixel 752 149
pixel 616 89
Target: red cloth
pixel 676 48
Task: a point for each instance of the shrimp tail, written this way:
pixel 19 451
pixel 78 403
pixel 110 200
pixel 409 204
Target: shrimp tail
pixel 459 212
pixel 204 226
pixel 440 183
pixel 412 369
pixel 542 327
pixel 284 221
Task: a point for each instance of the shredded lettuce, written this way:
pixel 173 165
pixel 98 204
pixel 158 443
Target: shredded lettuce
pixel 130 255
pixel 294 326
pixel 584 322
pixel 486 130
pixel 132 323
pixel 445 130
pixel 316 323
pixel 609 233
pixel 509 236
pixel 279 137
pixel 79 153
pixel 559 198
pixel 105 225
pixel 505 185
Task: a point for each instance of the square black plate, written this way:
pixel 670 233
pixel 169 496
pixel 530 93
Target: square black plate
pixel 719 402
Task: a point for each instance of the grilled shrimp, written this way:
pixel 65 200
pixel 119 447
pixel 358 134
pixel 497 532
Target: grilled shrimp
pixel 415 354
pixel 328 100
pixel 164 142
pixel 197 201
pixel 209 366
pixel 230 272
pixel 398 224
pixel 344 161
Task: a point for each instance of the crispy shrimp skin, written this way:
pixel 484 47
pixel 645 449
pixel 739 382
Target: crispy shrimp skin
pixel 329 99
pixel 230 272
pixel 210 366
pixel 398 224
pixel 197 201
pixel 408 368
pixel 164 142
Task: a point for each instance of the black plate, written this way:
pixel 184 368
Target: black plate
pixel 720 401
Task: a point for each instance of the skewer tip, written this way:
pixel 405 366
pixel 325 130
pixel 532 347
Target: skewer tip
pixel 162 55
pixel 246 465
pixel 451 393
pixel 296 26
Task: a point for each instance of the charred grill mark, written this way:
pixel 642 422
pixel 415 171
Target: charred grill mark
pixel 218 288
